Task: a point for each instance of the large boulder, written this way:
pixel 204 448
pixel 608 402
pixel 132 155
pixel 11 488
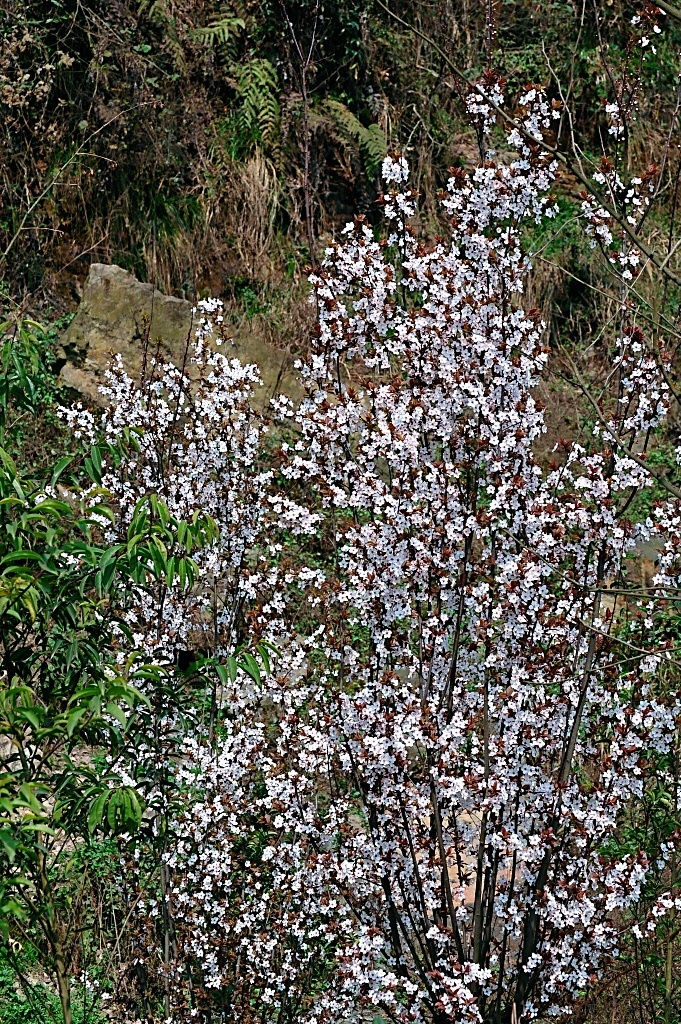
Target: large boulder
pixel 118 312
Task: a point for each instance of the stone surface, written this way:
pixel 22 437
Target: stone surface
pixel 114 316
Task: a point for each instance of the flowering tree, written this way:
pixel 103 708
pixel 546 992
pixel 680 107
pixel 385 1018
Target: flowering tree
pixel 414 814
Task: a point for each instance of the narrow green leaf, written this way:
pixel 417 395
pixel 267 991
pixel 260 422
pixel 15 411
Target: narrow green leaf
pixel 251 667
pixel 73 720
pixel 9 844
pixel 117 712
pixel 59 468
pixel 96 811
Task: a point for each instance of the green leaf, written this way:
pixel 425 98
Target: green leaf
pixel 8 462
pixel 251 667
pixel 109 556
pixel 117 712
pixel 223 674
pixel 123 810
pixel 9 844
pixel 59 468
pixel 30 799
pixel 262 651
pixel 52 505
pixel 102 510
pixel 97 811
pixel 96 461
pixel 73 720
pixel 29 716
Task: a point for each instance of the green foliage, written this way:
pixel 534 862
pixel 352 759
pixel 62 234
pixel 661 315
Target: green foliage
pixel 36 1003
pixel 371 140
pixel 172 213
pixel 160 16
pixel 258 116
pixel 118 810
pixel 26 371
pixel 250 296
pixel 62 692
pixel 20 1007
pixel 98 856
pixel 30 430
pixel 20 368
pixel 223 31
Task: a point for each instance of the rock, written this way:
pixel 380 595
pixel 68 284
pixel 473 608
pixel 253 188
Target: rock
pixel 114 316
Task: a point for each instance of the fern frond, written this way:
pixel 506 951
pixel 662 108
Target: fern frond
pixel 374 148
pixel 343 118
pixel 371 141
pixel 157 13
pixel 224 30
pixel 259 117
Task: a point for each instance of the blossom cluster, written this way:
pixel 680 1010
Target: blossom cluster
pixel 628 201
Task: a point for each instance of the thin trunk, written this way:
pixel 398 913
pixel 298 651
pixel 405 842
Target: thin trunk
pixel 54 934
pixel 669 959
pixel 64 986
pixel 668 982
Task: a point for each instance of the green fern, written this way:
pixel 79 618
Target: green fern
pixel 258 118
pixel 371 141
pixel 374 147
pixel 158 14
pixel 223 31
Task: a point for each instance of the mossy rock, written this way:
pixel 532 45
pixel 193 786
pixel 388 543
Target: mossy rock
pixel 118 314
